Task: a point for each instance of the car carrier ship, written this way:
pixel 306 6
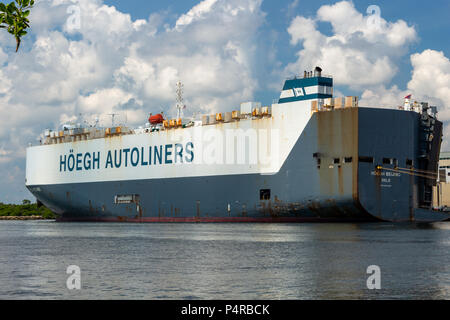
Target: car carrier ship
pixel 307 157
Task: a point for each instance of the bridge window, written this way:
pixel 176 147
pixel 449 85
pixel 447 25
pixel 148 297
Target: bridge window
pixel 366 159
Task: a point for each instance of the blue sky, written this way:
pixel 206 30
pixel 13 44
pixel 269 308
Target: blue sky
pixel 126 56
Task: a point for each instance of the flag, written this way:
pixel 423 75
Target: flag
pixel 408 96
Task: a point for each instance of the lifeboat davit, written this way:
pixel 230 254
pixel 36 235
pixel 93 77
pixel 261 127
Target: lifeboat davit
pixel 157 118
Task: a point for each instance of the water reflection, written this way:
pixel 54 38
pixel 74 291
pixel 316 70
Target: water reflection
pixel 224 261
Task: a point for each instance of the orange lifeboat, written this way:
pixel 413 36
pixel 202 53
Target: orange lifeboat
pixel 157 118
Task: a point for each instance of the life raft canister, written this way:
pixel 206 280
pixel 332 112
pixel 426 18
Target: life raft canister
pixel 157 118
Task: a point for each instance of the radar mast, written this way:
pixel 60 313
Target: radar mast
pixel 180 100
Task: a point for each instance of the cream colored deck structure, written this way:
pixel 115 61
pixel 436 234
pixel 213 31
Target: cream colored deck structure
pixel 441 192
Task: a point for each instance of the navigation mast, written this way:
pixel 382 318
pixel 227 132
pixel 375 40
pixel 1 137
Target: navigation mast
pixel 112 118
pixel 180 100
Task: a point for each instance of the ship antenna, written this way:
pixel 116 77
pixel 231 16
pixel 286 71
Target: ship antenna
pixel 82 119
pixel 112 118
pixel 180 100
pixel 97 120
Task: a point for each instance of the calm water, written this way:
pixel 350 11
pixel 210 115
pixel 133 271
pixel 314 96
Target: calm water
pixel 223 261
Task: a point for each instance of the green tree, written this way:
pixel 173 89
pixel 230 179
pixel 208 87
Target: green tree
pixel 14 19
pixel 26 201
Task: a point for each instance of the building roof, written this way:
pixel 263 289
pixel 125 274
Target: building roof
pixel 444 155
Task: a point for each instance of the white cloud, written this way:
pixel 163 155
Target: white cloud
pixel 381 97
pixel 103 101
pixel 431 80
pixel 196 13
pixel 114 64
pixel 400 33
pixel 359 53
pixel 3 57
pixel 4 155
pixel 363 55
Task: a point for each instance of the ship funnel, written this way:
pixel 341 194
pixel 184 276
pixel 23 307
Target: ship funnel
pixel 318 72
pixel 313 86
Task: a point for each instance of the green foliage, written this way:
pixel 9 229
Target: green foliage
pixel 14 19
pixel 29 209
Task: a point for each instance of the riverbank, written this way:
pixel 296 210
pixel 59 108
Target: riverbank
pixel 25 211
pixel 24 218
